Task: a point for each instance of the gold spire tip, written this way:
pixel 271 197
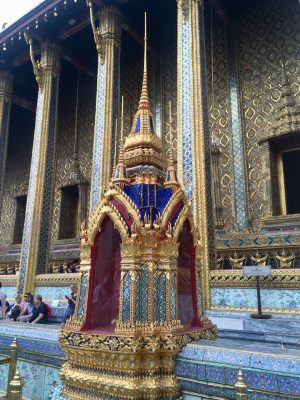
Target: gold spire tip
pixel 144 100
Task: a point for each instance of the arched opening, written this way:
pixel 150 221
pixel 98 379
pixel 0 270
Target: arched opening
pixel 105 277
pixel 186 284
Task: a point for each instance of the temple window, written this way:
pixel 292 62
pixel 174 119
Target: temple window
pixel 69 213
pixel 20 219
pixel 290 179
pixel 285 161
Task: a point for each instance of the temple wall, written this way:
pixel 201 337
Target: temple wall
pixel 218 105
pixel 264 31
pixel 20 148
pixel 17 168
pixel 66 127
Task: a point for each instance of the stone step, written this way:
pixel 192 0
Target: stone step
pixel 290 340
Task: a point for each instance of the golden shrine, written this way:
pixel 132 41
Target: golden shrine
pixel 140 289
pixel 152 204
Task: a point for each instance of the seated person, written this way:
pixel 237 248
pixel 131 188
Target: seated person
pixel 15 311
pixel 6 307
pixel 71 304
pixel 71 267
pixel 27 305
pixel 39 314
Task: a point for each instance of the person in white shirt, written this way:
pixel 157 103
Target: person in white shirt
pixel 2 301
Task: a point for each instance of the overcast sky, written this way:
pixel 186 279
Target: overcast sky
pixel 11 10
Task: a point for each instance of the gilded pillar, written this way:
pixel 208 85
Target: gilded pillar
pixel 108 40
pixel 6 91
pixel 266 174
pixel 215 161
pixel 194 167
pixel 35 245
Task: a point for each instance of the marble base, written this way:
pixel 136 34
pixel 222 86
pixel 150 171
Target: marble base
pixel 210 369
pixel 278 329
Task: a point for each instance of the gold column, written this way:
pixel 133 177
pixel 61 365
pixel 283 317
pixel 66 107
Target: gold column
pixel 35 246
pixel 193 136
pixel 6 92
pixel 108 39
pixel 267 188
pixel 215 158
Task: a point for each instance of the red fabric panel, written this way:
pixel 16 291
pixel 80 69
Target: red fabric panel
pixel 105 276
pixel 187 291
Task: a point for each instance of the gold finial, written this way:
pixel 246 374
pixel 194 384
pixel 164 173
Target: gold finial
pixel 144 100
pixel 241 387
pixel 122 119
pixel 120 168
pixel 16 385
pixel 171 155
pixel 115 154
pixel 121 155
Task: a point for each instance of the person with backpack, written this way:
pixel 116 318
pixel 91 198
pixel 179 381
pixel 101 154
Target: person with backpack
pixel 39 314
pixel 71 304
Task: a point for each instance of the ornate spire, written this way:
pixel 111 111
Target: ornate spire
pixel 171 176
pixel 144 100
pixel 120 176
pixel 143 148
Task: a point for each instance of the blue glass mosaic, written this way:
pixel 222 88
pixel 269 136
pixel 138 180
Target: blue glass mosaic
pixel 237 139
pixel 142 293
pixel 150 199
pixel 126 297
pixel 98 137
pixel 82 296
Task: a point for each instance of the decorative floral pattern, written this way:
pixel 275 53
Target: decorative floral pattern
pixel 39 380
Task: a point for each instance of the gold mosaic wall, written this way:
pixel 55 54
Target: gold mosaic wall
pixel 17 167
pixel 218 105
pixel 265 30
pixel 66 127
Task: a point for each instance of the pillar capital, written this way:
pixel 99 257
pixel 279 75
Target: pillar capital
pixel 50 56
pixel 49 61
pixel 109 29
pixel 110 25
pixel 6 84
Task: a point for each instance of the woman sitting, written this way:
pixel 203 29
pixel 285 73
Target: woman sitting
pixel 15 311
pixel 26 307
